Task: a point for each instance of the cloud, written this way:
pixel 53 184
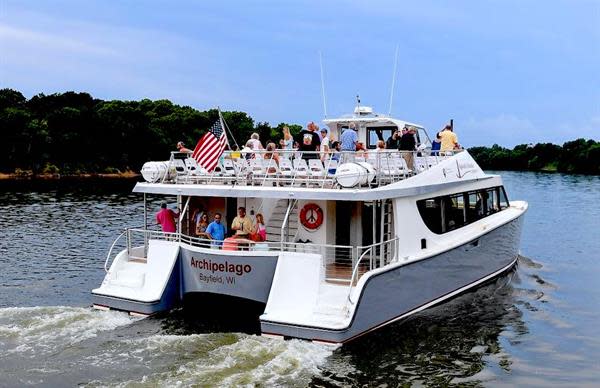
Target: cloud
pixel 32 39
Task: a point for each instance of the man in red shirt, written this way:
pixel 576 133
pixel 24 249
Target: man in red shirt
pixel 166 218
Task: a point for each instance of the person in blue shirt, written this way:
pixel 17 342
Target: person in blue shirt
pixel 436 145
pixel 349 139
pixel 216 231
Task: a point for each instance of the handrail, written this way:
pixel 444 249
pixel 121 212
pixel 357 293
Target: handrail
pixel 285 219
pixel 111 248
pixel 354 271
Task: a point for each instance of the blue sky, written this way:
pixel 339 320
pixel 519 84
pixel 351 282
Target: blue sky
pixel 508 72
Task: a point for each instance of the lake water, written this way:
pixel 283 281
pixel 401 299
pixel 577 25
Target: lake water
pixel 537 326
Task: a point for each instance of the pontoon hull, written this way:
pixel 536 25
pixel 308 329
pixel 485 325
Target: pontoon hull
pixel 389 296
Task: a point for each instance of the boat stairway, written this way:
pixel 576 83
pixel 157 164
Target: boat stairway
pixel 276 221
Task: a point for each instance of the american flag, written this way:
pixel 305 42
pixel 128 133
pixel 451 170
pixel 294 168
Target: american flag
pixel 210 147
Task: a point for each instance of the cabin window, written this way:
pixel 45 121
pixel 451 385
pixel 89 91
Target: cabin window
pixel 431 212
pixel 450 212
pixel 503 198
pixel 454 212
pixel 373 138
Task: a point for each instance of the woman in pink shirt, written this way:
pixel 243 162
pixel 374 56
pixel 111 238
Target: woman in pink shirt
pixel 166 218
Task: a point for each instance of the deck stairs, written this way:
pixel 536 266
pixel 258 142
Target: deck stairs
pixel 275 222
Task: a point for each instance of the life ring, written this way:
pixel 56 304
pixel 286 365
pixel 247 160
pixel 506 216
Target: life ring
pixel 311 216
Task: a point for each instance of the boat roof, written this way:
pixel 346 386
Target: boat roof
pixel 369 117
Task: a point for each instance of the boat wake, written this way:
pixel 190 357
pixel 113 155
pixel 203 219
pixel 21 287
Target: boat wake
pixel 31 331
pixel 72 346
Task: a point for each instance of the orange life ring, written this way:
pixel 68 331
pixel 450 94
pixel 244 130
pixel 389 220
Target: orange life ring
pixel 311 216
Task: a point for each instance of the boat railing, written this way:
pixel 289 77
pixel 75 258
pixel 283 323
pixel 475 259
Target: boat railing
pixel 340 261
pixel 293 168
pixel 386 249
pixel 108 256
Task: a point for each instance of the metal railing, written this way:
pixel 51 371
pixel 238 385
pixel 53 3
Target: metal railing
pixel 341 261
pixel 292 167
pixel 384 249
pixel 106 266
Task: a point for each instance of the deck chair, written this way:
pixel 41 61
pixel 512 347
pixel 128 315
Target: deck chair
pixel 331 166
pixel 257 170
pixel 272 171
pixel 301 172
pixel 286 169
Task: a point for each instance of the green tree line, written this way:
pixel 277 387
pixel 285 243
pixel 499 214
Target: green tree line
pixel 75 133
pixel 578 156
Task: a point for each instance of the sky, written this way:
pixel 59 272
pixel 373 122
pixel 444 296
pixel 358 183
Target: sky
pixel 508 72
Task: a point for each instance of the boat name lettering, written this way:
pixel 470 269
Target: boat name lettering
pixel 238 269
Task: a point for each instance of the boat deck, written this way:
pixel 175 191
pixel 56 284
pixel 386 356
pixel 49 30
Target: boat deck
pixel 260 168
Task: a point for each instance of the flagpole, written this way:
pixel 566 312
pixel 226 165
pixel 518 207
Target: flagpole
pixel 224 124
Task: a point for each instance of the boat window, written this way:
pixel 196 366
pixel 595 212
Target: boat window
pixel 475 207
pixel 431 212
pixel 372 138
pixel 454 212
pixel 503 198
pixel 450 212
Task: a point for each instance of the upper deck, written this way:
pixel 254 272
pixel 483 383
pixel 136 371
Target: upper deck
pixel 291 174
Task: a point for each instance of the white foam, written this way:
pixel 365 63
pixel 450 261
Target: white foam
pixel 44 329
pixel 231 360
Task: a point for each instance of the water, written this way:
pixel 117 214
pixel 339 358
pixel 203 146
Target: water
pixel 537 326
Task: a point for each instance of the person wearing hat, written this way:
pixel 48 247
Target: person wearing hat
pixel 166 218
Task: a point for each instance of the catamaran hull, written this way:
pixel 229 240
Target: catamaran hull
pixel 392 295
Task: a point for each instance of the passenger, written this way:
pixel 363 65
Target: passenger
pixel 336 147
pixel 380 145
pixel 256 145
pixel 259 231
pixel 324 143
pixel 361 150
pixel 247 152
pixel 271 152
pixel 287 143
pixel 166 218
pixel 393 142
pixel 241 224
pixel 449 139
pixel 408 144
pixel 201 225
pixel 349 138
pixel 436 145
pixel 309 141
pixel 216 231
pixel 181 147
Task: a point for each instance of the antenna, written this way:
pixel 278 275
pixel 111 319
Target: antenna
pixel 323 84
pixel 393 80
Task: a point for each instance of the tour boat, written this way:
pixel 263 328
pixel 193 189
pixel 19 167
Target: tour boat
pixel 355 240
